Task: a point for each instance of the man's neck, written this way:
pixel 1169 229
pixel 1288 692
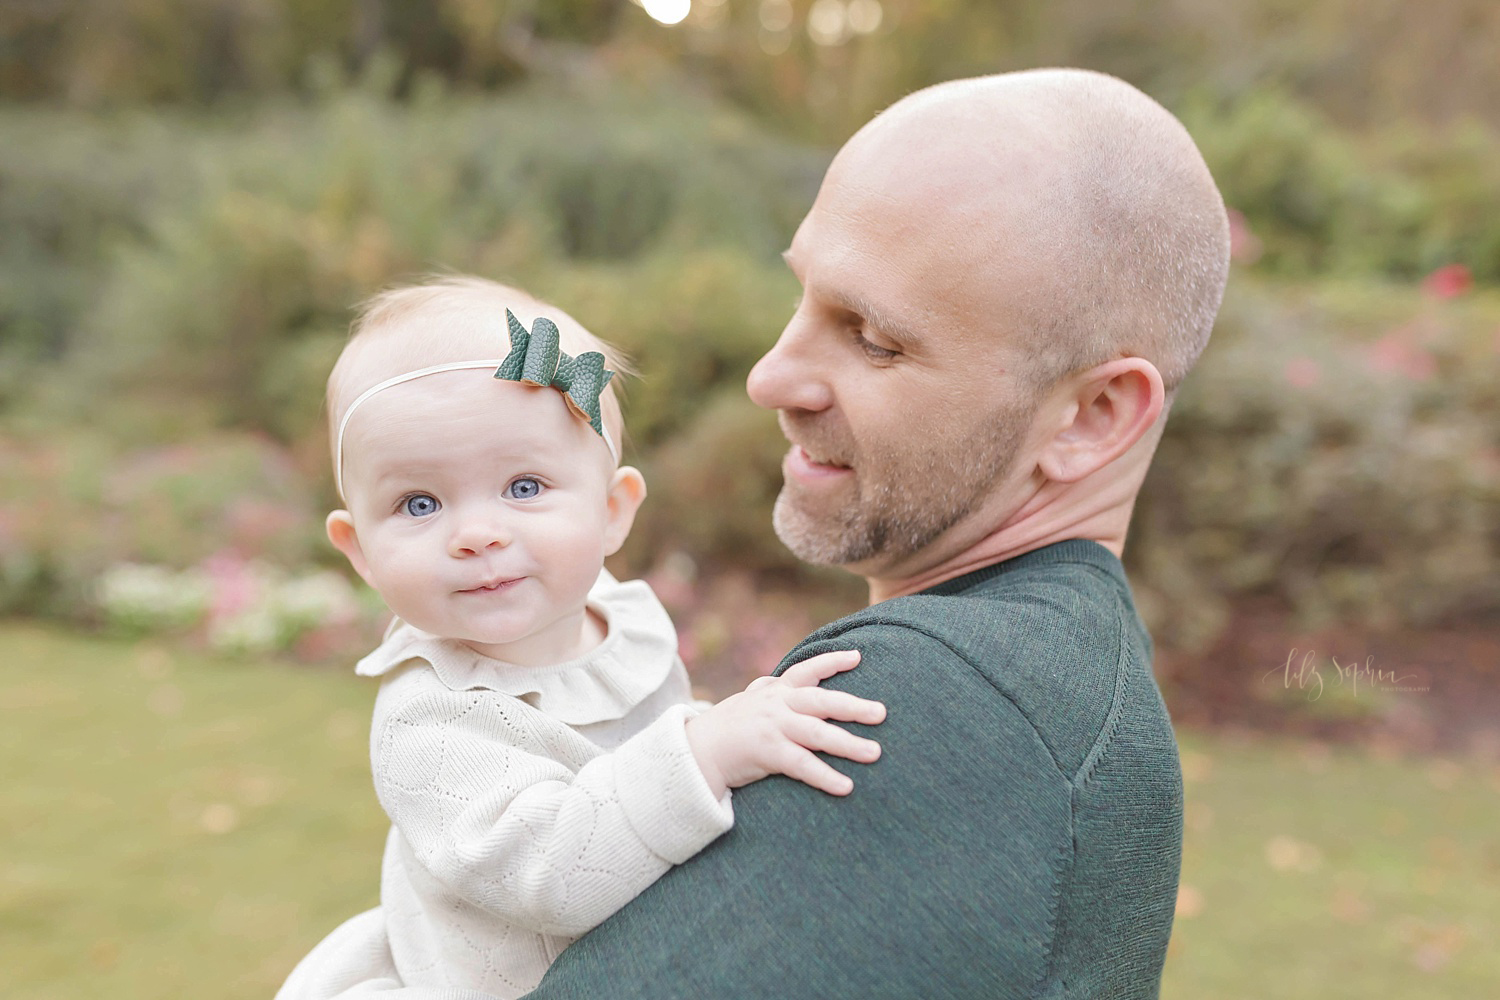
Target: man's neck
pixel 1097 509
pixel 1006 543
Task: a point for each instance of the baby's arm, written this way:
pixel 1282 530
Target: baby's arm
pixel 774 725
pixel 512 816
pixel 489 804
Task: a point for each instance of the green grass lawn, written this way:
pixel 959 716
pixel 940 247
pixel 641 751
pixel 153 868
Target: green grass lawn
pixel 177 826
pixel 1332 875
pixel 171 825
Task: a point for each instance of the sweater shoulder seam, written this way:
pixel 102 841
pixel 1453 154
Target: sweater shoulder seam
pixel 969 661
pixel 1112 719
pixel 1080 778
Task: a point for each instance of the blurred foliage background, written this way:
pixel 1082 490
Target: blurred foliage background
pixel 194 193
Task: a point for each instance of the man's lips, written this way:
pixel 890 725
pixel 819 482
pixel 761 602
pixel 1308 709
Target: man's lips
pixel 803 467
pixel 494 586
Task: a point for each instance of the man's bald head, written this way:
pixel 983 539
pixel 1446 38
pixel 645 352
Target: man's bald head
pixel 1067 206
pixel 1003 278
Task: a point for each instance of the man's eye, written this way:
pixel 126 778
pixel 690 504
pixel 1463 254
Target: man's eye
pixel 420 505
pixel 524 488
pixel 875 351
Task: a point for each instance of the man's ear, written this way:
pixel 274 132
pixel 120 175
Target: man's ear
pixel 340 527
pixel 626 491
pixel 1112 406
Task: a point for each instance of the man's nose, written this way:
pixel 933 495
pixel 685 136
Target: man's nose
pixel 793 374
pixel 477 533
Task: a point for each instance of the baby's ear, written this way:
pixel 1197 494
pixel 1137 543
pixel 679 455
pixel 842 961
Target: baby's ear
pixel 626 491
pixel 340 527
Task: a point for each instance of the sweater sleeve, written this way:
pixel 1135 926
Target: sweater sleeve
pixel 505 825
pixel 936 877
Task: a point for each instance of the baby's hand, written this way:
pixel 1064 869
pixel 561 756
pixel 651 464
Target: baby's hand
pixel 775 724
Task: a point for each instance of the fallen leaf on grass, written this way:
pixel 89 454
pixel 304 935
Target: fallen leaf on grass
pixel 1189 902
pixel 1285 854
pixel 220 818
pixel 1349 906
pixel 1196 766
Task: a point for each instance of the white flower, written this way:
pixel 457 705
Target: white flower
pixel 322 598
pixel 152 598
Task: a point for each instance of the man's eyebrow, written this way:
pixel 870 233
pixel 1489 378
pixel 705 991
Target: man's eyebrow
pixel 872 314
pixel 877 318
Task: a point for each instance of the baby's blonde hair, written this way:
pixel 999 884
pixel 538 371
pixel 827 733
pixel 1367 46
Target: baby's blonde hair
pixel 448 319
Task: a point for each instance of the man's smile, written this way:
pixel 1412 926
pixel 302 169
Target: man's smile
pixel 806 466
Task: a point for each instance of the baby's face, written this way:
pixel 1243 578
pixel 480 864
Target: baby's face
pixel 482 511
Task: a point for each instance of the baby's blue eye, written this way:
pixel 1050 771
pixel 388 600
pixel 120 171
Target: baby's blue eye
pixel 524 488
pixel 421 505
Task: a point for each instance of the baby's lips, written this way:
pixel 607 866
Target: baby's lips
pixel 495 584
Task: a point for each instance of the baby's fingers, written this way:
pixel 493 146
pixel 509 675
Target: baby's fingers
pixel 815 669
pixel 840 706
pixel 809 770
pixel 815 734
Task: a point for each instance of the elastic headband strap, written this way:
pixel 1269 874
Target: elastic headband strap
pixel 338 446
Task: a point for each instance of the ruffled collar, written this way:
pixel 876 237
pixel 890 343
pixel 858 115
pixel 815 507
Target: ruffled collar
pixel 638 651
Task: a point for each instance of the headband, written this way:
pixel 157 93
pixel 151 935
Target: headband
pixel 536 358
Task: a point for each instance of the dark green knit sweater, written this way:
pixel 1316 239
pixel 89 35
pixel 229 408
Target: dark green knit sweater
pixel 1019 837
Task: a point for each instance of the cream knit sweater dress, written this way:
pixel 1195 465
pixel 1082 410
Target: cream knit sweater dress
pixel 526 804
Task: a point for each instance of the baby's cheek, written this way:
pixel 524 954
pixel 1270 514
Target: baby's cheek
pixel 577 550
pixel 403 581
pixel 417 606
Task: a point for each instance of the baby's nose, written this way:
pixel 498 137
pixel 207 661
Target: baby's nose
pixel 477 534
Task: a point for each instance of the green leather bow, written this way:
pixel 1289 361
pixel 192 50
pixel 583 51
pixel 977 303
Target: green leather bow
pixel 536 358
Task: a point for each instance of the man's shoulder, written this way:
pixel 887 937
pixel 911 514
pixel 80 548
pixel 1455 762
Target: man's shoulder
pixel 1047 597
pixel 1054 642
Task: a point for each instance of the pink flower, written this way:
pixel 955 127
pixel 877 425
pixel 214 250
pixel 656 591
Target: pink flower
pixel 1244 246
pixel 1448 282
pixel 687 648
pixel 1396 355
pixel 674 578
pixel 252 524
pixel 1488 462
pixel 1303 373
pixel 235 586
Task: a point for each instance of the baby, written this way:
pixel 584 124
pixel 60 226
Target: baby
pixel 535 742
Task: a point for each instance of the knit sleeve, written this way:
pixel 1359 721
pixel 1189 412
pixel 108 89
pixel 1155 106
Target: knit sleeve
pixel 937 877
pixel 491 806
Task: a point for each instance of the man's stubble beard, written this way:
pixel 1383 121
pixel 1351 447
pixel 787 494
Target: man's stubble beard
pixel 902 503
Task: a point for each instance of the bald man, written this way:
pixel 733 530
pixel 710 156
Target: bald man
pixel 1005 280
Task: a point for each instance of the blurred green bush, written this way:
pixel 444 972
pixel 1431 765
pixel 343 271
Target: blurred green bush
pixel 74 503
pixel 1336 451
pixel 1399 201
pixel 225 303
pixel 816 68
